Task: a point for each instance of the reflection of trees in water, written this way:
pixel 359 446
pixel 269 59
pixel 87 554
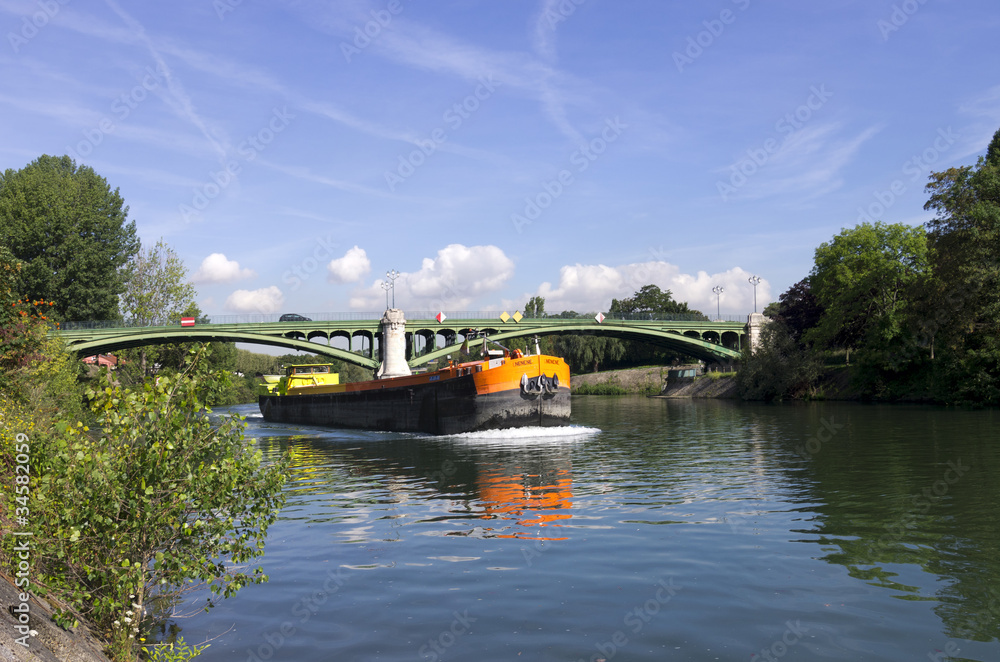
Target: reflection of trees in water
pixel 899 487
pixel 522 487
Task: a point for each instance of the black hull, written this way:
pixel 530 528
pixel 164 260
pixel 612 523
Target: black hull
pixel 447 407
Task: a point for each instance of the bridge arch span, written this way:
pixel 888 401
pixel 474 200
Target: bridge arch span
pixel 163 337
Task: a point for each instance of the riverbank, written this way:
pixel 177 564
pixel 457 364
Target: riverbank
pixel 49 643
pixel 833 384
pixel 714 385
pixel 652 381
pixel 647 380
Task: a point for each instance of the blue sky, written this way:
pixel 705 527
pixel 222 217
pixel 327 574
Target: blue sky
pixel 292 152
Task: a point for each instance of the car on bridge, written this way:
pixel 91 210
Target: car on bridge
pixel 293 317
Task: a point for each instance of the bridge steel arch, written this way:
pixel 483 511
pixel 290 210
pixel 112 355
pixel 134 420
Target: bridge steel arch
pixel 705 340
pixel 165 335
pixel 668 335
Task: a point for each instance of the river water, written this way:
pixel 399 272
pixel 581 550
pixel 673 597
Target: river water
pixel 649 530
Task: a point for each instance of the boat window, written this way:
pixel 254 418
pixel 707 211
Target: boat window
pixel 321 369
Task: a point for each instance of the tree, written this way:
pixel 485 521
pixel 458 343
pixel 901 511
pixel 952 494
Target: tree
pixel 651 300
pixel 797 308
pixel 963 311
pixel 778 368
pixel 586 353
pixel 862 279
pixel 157 293
pixel 535 307
pixel 70 231
pixel 156 287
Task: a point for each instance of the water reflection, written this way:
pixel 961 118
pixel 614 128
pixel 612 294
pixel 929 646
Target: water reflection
pixel 509 484
pixel 901 495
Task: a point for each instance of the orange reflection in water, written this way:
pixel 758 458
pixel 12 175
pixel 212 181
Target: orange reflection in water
pixel 529 499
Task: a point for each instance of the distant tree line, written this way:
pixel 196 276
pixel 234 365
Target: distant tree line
pixel 915 311
pixel 589 352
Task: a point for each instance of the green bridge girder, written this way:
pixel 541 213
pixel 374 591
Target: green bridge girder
pixel 705 340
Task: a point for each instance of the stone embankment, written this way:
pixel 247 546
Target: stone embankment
pixel 653 381
pixel 46 641
pixel 701 387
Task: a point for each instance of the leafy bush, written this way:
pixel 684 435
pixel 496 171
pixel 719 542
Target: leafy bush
pixel 778 368
pixel 158 501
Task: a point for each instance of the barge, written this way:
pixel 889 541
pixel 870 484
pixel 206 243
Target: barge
pixel 503 389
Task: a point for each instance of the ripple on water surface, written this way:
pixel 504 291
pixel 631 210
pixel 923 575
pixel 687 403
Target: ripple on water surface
pixel 647 530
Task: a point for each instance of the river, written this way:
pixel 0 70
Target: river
pixel 651 529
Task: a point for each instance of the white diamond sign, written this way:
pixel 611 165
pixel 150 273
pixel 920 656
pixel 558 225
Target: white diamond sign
pixel 599 317
pixel 440 317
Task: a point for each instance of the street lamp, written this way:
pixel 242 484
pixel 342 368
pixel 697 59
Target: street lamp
pixel 386 286
pixel 755 281
pixel 718 302
pixel 392 275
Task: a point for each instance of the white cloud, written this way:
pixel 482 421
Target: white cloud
pixel 590 288
pixel 264 300
pixel 450 281
pixel 354 266
pixel 217 268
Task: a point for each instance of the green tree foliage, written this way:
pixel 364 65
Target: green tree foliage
pixel 651 300
pixel 797 308
pixel 35 369
pixel 156 288
pixel 588 353
pixel 159 499
pixel 863 279
pixel 535 307
pixel 962 312
pixel 157 293
pixel 70 231
pixel 779 368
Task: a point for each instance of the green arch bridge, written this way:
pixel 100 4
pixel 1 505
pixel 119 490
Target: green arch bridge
pixel 710 341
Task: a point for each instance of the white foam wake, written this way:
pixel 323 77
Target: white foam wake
pixel 529 434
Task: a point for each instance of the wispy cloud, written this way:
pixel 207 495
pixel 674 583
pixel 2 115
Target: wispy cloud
pixel 176 97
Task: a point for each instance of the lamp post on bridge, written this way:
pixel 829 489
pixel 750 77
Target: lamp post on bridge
pixel 755 281
pixel 391 277
pixel 718 289
pixel 386 286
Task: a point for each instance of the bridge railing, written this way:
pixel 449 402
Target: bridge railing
pixel 490 315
